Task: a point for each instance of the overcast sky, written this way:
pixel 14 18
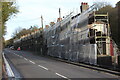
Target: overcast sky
pixel 31 11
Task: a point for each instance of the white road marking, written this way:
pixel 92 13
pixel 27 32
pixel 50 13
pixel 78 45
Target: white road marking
pixel 43 67
pixel 20 56
pixel 32 62
pixel 26 59
pixel 61 76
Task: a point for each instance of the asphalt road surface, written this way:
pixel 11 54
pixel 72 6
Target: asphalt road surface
pixel 34 66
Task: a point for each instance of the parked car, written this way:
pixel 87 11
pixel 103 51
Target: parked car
pixel 19 49
pixel 12 47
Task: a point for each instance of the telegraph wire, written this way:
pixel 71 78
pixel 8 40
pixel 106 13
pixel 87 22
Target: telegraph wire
pixel 26 21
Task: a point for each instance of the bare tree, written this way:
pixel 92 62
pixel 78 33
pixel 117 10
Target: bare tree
pixel 102 4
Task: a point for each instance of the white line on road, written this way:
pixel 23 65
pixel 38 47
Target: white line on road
pixel 20 56
pixel 31 61
pixel 26 59
pixel 61 76
pixel 43 67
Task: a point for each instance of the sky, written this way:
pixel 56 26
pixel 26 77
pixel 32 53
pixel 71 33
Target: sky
pixel 30 12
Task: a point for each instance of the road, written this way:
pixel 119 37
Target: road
pixel 33 66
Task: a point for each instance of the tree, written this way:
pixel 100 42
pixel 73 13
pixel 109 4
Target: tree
pixel 9 10
pixel 9 42
pixel 33 28
pixel 102 4
pixel 20 32
pixel 112 12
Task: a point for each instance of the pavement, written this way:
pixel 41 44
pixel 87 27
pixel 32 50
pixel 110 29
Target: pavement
pixel 34 66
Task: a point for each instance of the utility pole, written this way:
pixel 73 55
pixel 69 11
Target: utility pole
pixel 42 21
pixel 59 13
pixel 41 34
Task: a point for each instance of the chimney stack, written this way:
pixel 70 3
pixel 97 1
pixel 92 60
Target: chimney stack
pixel 46 26
pixel 84 6
pixel 52 23
pixel 59 19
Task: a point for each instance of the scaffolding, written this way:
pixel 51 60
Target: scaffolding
pixel 83 37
